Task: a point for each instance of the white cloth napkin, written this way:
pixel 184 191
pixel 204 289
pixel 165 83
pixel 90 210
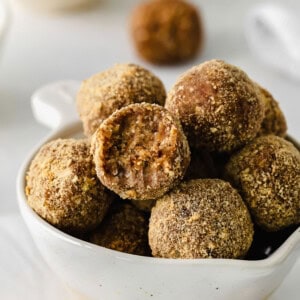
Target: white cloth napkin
pixel 23 273
pixel 273 34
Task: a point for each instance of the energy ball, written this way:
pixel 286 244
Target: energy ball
pixel 124 229
pixel 140 152
pixel 166 32
pixel 274 121
pixel 202 218
pixel 218 105
pixel 63 188
pixel 267 173
pixel 110 90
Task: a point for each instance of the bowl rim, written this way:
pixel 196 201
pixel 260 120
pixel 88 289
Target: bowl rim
pixel 276 258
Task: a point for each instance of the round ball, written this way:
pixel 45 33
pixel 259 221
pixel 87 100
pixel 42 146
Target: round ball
pixel 274 121
pixel 218 105
pixel 140 152
pixel 124 229
pixel 267 173
pixel 166 32
pixel 110 90
pixel 63 188
pixel 203 218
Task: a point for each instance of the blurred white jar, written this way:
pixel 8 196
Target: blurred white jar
pixel 57 5
pixel 3 21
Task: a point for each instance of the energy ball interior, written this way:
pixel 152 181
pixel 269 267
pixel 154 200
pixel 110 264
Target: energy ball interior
pixel 140 152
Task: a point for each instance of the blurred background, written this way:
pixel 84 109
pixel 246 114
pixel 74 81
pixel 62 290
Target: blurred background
pixel 43 44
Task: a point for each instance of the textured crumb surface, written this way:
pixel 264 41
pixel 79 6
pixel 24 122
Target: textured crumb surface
pixel 166 32
pixel 218 105
pixel 203 218
pixel 140 152
pixel 62 186
pixel 123 84
pixel 267 173
pixel 124 229
pixel 274 121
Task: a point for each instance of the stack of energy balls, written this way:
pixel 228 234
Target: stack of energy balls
pixel 183 175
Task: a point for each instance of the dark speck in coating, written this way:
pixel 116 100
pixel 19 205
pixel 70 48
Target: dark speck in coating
pixel 267 173
pixel 123 84
pixel 140 152
pixel 203 218
pixel 63 188
pixel 124 229
pixel 218 105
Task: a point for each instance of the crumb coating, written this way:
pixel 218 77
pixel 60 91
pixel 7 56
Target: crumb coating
pixel 140 152
pixel 203 218
pixel 63 188
pixel 267 173
pixel 218 105
pixel 274 121
pixel 166 32
pixel 123 84
pixel 124 229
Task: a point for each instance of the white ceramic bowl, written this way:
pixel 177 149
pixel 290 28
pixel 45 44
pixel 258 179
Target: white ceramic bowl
pixel 100 273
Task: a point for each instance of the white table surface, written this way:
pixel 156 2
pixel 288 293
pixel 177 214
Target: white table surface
pixel 41 48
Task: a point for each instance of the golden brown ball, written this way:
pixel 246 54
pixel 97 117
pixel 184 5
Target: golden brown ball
pixel 274 121
pixel 203 218
pixel 63 188
pixel 124 229
pixel 218 105
pixel 166 32
pixel 123 84
pixel 267 173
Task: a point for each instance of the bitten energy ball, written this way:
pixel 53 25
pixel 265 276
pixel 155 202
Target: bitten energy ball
pixel 218 105
pixel 274 121
pixel 140 152
pixel 124 229
pixel 63 188
pixel 121 85
pixel 166 31
pixel 203 218
pixel 267 173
